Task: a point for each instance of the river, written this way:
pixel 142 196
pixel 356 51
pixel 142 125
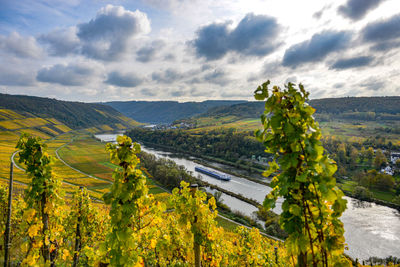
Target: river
pixel 370 229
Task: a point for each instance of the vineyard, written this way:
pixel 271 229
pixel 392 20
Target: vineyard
pixel 33 243
pixel 144 230
pixel 84 207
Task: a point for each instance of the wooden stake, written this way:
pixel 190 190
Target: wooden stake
pixel 78 232
pixel 196 246
pixel 7 244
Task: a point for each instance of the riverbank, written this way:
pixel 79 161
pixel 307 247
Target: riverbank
pixel 370 229
pixel 205 159
pixel 373 200
pixel 218 160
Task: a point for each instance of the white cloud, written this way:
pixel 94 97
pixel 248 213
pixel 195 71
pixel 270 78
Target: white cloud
pixel 107 37
pixel 20 46
pixel 123 53
pixel 16 76
pixel 68 74
pixel 61 42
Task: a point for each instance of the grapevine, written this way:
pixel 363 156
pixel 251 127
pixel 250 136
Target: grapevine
pixel 43 215
pixel 134 214
pixel 313 203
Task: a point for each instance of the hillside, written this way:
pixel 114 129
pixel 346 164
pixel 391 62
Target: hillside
pixel 166 111
pixel 364 108
pixel 75 115
pixel 13 123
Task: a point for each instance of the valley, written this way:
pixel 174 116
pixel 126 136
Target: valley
pixel 81 160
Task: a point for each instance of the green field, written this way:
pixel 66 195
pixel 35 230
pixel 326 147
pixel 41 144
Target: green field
pixel 347 130
pixel 89 155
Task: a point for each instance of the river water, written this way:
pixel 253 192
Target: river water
pixel 370 229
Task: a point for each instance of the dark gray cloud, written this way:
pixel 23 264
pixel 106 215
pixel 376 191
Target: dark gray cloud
pixel 292 79
pixel 20 46
pixel 218 76
pixel 212 41
pixel 271 69
pixel 70 75
pixel 373 84
pixel 61 42
pixel 357 9
pixel 252 77
pixel 123 79
pixel 318 14
pixel 107 36
pixel 167 76
pixel 386 46
pixel 148 53
pixel 15 77
pixel 148 92
pixel 178 93
pixel 194 80
pixel 354 62
pixel 339 85
pixel 205 67
pixel 196 92
pixel 169 57
pixel 316 49
pixel 383 30
pixel 255 35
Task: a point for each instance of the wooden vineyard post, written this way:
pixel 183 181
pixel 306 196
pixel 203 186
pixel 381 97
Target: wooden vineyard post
pixel 7 243
pixel 196 246
pixel 78 232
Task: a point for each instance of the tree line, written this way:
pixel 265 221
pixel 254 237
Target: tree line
pixel 227 144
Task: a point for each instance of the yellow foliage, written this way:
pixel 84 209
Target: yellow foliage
pixel 106 128
pixel 63 128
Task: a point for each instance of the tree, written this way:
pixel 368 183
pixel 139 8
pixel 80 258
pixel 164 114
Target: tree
pixel 380 159
pixel 353 157
pixel 363 153
pixel 370 153
pixel 397 163
pixel 362 193
pixel 384 182
pixel 342 153
pixel 313 203
pixel 396 200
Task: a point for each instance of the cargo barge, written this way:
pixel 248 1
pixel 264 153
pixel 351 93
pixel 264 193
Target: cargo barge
pixel 214 174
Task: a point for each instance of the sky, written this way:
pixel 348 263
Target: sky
pixel 194 50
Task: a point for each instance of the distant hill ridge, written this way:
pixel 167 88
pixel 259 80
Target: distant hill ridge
pixel 166 111
pixel 345 106
pixel 75 115
pixel 169 111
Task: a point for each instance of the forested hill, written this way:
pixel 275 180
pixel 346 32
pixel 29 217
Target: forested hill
pixel 166 111
pixel 347 107
pixel 73 114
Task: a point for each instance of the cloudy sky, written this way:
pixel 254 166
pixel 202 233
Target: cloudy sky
pixel 192 50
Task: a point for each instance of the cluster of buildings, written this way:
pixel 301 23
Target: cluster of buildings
pixel 394 157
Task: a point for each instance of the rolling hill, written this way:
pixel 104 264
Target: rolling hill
pixel 75 115
pixel 363 108
pixel 166 111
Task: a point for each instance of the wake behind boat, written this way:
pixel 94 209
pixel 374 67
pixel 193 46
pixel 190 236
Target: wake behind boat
pixel 214 174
